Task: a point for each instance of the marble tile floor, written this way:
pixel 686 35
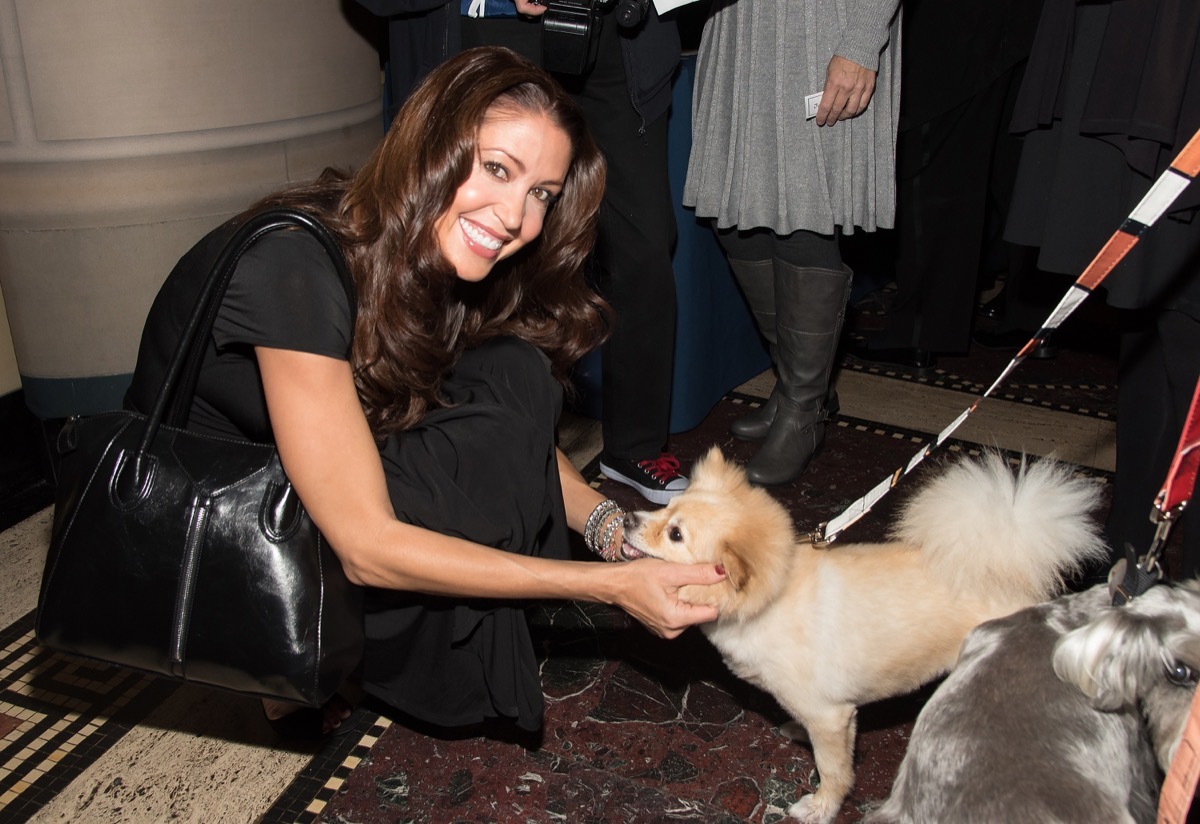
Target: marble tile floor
pixel 122 748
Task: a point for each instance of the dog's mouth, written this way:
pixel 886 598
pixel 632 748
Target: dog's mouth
pixel 631 553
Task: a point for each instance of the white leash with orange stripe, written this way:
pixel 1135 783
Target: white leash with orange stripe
pixel 1162 194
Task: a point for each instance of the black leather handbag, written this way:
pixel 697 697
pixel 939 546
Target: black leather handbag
pixel 190 556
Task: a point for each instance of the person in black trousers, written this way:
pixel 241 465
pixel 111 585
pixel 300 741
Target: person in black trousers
pixel 962 65
pixel 625 95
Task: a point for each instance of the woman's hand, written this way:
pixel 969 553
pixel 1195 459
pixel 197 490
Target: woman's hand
pixel 848 89
pixel 649 591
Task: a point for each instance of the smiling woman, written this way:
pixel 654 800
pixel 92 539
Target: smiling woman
pixel 417 421
pixel 522 164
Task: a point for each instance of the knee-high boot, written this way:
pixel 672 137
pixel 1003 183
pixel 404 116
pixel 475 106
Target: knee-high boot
pixel 810 305
pixel 757 280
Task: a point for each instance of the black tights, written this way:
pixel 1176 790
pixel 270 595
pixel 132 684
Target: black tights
pixel 800 248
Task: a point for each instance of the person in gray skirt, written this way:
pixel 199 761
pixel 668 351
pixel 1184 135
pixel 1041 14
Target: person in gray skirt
pixel 793 145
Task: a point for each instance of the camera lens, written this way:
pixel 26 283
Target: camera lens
pixel 629 12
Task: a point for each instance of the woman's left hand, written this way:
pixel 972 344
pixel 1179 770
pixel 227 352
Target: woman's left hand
pixel 649 591
pixel 848 90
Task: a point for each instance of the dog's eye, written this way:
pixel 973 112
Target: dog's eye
pixel 675 534
pixel 1181 675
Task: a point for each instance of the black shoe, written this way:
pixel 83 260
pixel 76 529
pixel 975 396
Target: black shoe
pixel 879 301
pixel 992 309
pixel 1011 340
pixel 658 480
pixel 307 723
pixel 908 357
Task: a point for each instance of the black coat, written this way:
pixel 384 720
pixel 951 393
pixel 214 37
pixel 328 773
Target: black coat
pixel 954 49
pixel 1145 90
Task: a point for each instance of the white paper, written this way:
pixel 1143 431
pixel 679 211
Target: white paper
pixel 811 102
pixel 664 6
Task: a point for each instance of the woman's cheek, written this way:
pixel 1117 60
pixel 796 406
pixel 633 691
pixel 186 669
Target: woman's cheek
pixel 534 223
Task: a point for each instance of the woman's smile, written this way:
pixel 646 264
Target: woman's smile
pixel 481 237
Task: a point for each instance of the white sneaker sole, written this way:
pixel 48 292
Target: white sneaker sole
pixel 654 496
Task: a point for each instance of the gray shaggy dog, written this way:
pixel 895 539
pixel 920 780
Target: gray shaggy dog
pixel 1065 712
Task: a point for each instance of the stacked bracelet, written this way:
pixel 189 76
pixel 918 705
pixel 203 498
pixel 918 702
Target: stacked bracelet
pixel 602 527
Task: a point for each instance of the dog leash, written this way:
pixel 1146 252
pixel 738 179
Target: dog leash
pixel 1175 798
pixel 1183 169
pixel 1131 577
pixel 1134 575
pixel 1179 785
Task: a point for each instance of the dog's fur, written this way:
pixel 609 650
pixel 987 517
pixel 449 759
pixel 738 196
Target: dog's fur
pixel 827 630
pixel 1002 739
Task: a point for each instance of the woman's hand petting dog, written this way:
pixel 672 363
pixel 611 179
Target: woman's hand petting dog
pixel 650 588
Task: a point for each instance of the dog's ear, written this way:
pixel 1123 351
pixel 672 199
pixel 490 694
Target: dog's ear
pixel 714 455
pixel 1108 658
pixel 720 595
pixel 737 571
pixel 709 465
pixel 715 472
pixel 724 594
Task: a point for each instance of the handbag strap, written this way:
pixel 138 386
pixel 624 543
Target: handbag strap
pixel 183 372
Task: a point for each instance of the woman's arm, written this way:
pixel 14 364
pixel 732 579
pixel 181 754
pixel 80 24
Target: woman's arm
pixel 578 495
pixel 330 455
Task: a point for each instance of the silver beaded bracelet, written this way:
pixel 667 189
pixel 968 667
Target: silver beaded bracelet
pixel 609 515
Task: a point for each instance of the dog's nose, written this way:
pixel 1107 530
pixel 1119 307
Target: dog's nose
pixel 631 521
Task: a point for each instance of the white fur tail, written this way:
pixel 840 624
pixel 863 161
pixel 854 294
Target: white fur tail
pixel 1020 529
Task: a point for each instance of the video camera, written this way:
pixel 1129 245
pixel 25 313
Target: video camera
pixel 571 30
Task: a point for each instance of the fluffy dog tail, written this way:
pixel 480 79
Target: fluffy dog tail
pixel 1019 533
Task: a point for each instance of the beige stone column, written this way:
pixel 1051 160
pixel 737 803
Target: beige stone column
pixel 129 128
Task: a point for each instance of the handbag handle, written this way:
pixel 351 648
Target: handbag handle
pixel 183 372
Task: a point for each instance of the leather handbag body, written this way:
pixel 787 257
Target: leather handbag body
pixel 188 555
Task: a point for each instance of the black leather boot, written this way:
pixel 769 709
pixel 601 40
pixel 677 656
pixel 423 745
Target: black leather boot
pixel 810 305
pixel 755 424
pixel 794 438
pixel 757 281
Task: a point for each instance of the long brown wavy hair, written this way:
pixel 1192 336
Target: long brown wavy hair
pixel 414 315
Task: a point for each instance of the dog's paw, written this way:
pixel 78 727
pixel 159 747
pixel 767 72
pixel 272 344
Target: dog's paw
pixel 795 731
pixel 811 809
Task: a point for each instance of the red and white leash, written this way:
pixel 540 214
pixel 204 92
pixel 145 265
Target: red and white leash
pixel 1175 798
pixel 1180 783
pixel 1162 194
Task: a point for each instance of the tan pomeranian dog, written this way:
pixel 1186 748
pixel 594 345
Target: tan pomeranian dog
pixel 825 631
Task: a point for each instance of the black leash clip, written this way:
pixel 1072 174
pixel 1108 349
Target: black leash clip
pixel 1130 576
